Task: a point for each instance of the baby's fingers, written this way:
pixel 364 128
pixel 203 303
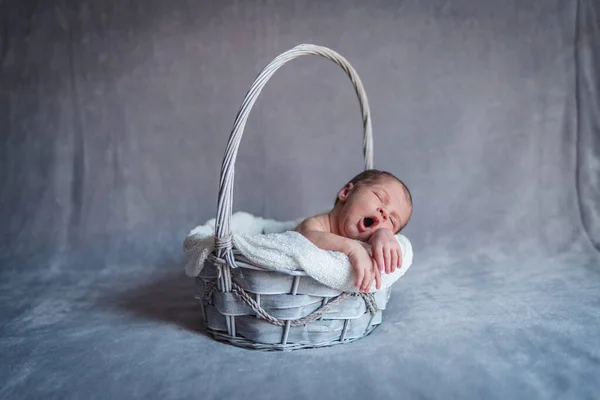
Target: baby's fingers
pixel 394 259
pixel 366 281
pixel 388 261
pixel 377 279
pixel 360 273
pixel 399 259
pixel 378 254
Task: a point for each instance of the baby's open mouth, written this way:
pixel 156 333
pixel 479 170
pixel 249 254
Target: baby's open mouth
pixel 366 223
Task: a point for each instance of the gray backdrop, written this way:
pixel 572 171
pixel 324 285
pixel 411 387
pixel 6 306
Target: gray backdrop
pixel 114 120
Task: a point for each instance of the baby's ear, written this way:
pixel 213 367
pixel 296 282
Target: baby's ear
pixel 345 191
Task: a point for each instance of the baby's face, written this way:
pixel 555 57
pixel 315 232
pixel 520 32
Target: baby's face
pixel 365 208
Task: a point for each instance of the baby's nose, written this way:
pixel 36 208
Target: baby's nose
pixel 383 213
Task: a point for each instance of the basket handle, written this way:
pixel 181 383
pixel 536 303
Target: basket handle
pixel 225 200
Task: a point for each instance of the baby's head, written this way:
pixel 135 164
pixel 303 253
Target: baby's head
pixel 372 200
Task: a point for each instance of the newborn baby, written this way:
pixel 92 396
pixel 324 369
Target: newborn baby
pixel 371 208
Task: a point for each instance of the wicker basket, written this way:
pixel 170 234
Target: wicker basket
pixel 249 306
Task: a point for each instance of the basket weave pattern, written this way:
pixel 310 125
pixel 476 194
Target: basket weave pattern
pixel 250 306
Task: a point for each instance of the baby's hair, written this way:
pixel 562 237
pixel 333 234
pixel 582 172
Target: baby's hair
pixel 371 176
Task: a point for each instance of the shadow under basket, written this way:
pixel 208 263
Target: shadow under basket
pixel 269 310
pixel 252 306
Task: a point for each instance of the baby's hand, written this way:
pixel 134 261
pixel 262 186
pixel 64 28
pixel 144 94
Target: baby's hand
pixel 386 250
pixel 365 267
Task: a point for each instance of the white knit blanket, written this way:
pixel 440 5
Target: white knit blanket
pixel 273 245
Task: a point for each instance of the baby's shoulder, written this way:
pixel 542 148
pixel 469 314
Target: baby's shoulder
pixel 315 223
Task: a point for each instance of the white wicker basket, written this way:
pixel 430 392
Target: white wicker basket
pixel 249 306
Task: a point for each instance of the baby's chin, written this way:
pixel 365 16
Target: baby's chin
pixel 352 232
pixel 364 237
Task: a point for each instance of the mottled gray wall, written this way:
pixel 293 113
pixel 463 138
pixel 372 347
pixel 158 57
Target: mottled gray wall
pixel 115 117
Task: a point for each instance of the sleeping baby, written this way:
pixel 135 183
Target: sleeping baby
pixel 370 209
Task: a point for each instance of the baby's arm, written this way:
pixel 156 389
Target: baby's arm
pixel 315 231
pixel 364 265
